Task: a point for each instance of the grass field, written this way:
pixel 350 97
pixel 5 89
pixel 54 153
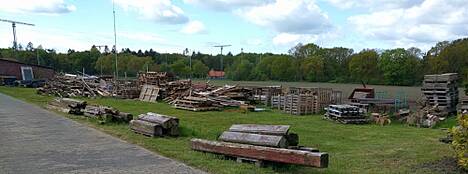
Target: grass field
pixel 352 148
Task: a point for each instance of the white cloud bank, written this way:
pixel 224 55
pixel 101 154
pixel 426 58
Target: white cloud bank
pixel 155 10
pixel 36 6
pixel 193 27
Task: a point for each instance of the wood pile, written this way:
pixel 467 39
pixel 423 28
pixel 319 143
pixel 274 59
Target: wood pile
pixel 72 86
pixel 196 104
pixel 107 114
pixel 153 124
pixel 425 116
pixel 126 89
pixel 67 105
pixel 261 143
pixel 346 114
pixel 441 90
pixel 263 94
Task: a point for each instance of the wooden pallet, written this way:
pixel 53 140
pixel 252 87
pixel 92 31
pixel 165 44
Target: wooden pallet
pixel 149 93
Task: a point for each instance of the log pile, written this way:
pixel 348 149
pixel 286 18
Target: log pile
pixel 67 105
pixel 441 90
pixel 261 143
pixel 346 114
pixel 153 125
pixel 107 114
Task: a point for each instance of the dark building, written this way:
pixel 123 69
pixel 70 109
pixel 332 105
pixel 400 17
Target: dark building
pixel 24 71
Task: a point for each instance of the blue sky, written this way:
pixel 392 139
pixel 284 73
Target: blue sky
pixel 256 26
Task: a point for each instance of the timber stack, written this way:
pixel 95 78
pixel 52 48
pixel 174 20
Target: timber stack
pixel 155 125
pixel 107 114
pixel 259 143
pixel 346 114
pixel 67 105
pixel 69 85
pixel 441 90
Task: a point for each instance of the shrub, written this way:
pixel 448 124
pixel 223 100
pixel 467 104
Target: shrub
pixel 460 140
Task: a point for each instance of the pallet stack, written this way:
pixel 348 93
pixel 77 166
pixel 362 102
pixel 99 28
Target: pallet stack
pixel 441 90
pixel 155 125
pixel 196 104
pixel 346 114
pixel 303 101
pixel 259 143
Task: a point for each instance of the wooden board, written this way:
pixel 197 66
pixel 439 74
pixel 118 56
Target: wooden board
pixel 149 93
pixel 260 129
pixel 254 139
pixel 290 156
pixel 146 128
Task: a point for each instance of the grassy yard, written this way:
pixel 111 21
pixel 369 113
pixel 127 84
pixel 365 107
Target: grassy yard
pixel 353 148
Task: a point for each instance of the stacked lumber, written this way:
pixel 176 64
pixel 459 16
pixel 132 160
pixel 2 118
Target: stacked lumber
pixel 261 143
pixel 67 105
pixel 107 114
pixel 441 90
pixel 346 114
pixel 192 103
pixel 153 124
pixel 126 89
pixel 155 78
pixel 264 93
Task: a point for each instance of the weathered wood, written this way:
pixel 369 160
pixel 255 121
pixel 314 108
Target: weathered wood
pixel 314 159
pixel 146 128
pixel 260 129
pixel 255 139
pixel 293 139
pixel 123 116
pixel 164 120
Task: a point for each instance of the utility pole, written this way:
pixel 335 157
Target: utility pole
pixel 13 25
pixel 115 43
pixel 222 46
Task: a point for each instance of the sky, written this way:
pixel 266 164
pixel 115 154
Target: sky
pixel 259 26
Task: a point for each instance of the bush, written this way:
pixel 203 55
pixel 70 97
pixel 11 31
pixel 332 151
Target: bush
pixel 460 140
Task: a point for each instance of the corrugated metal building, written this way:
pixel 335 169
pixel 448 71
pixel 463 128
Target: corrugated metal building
pixel 24 71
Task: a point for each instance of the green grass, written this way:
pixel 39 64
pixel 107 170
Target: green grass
pixel 352 148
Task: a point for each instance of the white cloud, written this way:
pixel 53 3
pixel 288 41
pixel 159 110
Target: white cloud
pixel 288 39
pixel 141 36
pixel 155 10
pixel 291 16
pixel 193 27
pixel 423 24
pixel 227 4
pixel 35 6
pixel 374 4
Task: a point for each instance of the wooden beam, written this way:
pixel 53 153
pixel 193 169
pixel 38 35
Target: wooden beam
pixel 290 156
pixel 165 121
pixel 260 129
pixel 146 128
pixel 254 139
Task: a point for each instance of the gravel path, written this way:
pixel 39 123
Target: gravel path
pixel 33 140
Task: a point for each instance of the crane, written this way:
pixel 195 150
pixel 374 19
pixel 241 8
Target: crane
pixel 222 46
pixel 13 24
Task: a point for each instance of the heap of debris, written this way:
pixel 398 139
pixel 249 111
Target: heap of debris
pixel 259 143
pixel 107 114
pixel 153 124
pixel 67 105
pixel 303 101
pixel 441 90
pixel 69 85
pixel 346 114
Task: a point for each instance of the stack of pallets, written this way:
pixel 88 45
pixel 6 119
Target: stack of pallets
pixel 303 101
pixel 441 90
pixel 346 114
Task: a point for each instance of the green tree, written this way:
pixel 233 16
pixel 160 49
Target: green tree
pixel 364 66
pixel 200 70
pixel 399 67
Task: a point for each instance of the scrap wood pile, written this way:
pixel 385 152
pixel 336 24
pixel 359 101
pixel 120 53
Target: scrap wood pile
pixel 69 85
pixel 264 93
pixel 441 90
pixel 67 105
pixel 261 143
pixel 346 114
pixel 153 124
pixel 426 115
pixel 107 114
pixel 303 101
pixel 126 89
pixel 155 78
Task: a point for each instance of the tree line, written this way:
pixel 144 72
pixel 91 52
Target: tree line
pixel 307 62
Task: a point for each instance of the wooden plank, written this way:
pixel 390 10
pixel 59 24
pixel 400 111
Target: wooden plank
pixel 254 139
pixel 149 93
pixel 163 120
pixel 260 129
pixel 291 156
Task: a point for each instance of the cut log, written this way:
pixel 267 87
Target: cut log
pixel 290 156
pixel 146 128
pixel 260 129
pixel 165 121
pixel 254 139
